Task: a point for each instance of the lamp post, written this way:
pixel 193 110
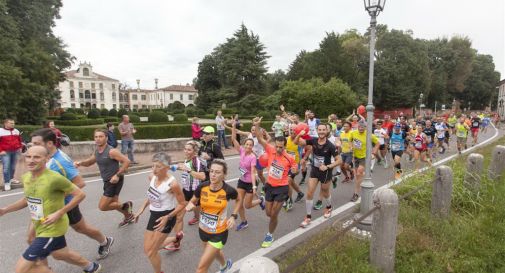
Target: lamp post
pixel 373 7
pixel 421 104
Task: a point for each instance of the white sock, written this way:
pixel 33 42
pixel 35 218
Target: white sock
pixel 308 206
pixel 328 201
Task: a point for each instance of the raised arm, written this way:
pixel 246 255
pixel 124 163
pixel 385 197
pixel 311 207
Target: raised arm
pixel 234 137
pixel 259 135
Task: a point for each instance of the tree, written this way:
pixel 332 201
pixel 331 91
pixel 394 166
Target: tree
pixel 317 95
pixel 480 87
pixel 31 59
pixel 233 70
pixel 402 70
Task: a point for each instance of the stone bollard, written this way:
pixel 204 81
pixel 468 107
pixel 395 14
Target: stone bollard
pixel 442 193
pixel 384 225
pixel 474 166
pixel 259 265
pixel 497 164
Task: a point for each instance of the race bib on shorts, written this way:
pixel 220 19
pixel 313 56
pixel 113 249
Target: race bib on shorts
pixel 396 146
pixel 276 171
pixel 419 144
pixel 36 208
pixel 208 222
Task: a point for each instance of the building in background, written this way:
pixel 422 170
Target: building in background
pixel 84 88
pixel 501 99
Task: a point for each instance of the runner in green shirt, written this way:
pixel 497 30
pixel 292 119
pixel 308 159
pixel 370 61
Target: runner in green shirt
pixel 45 192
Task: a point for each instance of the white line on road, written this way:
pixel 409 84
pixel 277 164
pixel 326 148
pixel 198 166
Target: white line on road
pixel 300 231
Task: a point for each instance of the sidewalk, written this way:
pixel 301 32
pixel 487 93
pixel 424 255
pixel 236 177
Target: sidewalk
pixel 144 160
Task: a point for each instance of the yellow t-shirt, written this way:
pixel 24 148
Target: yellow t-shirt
pixel 345 138
pixel 293 149
pixel 359 143
pixel 461 130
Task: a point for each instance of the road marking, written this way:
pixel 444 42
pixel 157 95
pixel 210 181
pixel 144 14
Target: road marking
pixel 300 231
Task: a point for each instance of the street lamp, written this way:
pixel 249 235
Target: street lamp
pixel 421 104
pixel 373 7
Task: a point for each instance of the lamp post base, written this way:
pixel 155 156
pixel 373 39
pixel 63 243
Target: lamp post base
pixel 365 224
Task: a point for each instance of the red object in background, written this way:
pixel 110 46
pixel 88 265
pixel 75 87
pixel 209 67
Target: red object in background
pixel 302 127
pixel 361 110
pixel 263 160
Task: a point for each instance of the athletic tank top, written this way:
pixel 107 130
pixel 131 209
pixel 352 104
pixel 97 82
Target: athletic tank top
pixel 108 167
pixel 160 198
pixel 397 142
pixel 293 149
pixel 419 142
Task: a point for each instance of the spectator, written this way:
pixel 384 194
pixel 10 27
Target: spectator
pixel 209 150
pixel 127 131
pixel 111 137
pixel 10 145
pixel 237 125
pixel 196 129
pixel 50 124
pixel 278 126
pixel 220 129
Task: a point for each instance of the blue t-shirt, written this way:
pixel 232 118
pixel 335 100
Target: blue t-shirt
pixel 62 164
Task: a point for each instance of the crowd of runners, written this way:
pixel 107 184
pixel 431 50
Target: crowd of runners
pixel 330 152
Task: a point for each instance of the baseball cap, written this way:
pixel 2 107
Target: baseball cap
pixel 398 125
pixel 208 130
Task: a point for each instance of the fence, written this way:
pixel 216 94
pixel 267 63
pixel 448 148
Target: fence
pixel 385 214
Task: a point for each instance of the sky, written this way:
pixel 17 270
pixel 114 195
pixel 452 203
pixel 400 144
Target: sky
pixel 131 39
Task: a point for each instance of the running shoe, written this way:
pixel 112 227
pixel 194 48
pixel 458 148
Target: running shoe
pixel 96 268
pixel 346 179
pixel 177 244
pixel 318 205
pixel 327 213
pixel 128 207
pixel 193 221
pixel 227 266
pixel 103 251
pixel 355 197
pixel 289 204
pixel 269 239
pixel 242 225
pixel 285 205
pixel 126 221
pixel 334 181
pixel 7 186
pixel 299 197
pixel 386 165
pixel 305 222
pixel 262 203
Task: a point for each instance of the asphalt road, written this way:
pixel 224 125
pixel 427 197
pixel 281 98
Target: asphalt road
pixel 127 252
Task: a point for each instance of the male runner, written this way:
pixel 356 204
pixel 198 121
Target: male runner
pixel 45 191
pixel 62 164
pixel 295 151
pixel 321 171
pixel 476 122
pixel 108 160
pixel 461 133
pixel 397 144
pixel 277 186
pixel 358 139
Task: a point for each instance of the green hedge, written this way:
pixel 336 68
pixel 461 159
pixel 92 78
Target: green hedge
pixel 68 116
pixel 111 119
pixel 143 131
pixel 80 122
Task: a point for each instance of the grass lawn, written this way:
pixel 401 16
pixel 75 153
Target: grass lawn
pixel 472 240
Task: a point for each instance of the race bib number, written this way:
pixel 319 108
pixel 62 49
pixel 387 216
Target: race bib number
pixel 357 143
pixel 475 124
pixel 318 161
pixel 154 197
pixel 242 171
pixel 276 171
pixel 460 133
pixel 36 208
pixel 396 146
pixel 208 222
pixel 184 178
pixel 419 144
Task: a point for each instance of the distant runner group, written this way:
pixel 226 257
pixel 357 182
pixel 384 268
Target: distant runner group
pixel 267 167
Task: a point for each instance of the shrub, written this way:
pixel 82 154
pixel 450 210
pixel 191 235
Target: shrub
pixel 111 119
pixel 158 117
pixel 52 117
pixel 94 113
pixel 134 118
pixel 180 118
pixel 80 122
pixel 122 112
pixel 193 111
pixel 68 116
pixel 265 114
pixel 104 112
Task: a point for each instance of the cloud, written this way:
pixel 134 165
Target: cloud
pixel 129 40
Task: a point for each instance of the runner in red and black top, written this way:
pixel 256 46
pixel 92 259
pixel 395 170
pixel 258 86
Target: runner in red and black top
pixel 420 146
pixel 321 171
pixel 213 196
pixel 475 127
